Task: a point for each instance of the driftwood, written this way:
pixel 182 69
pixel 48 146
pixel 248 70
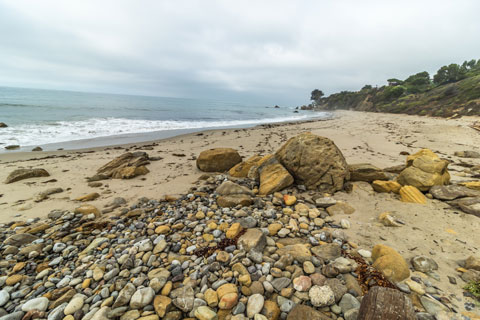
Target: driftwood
pixel 382 303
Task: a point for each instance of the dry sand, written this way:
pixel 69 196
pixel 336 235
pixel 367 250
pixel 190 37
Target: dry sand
pixel 433 230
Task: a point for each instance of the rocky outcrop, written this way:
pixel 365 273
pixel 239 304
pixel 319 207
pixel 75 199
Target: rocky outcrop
pixel 424 170
pixel 3 125
pixel 390 263
pixel 366 172
pixel 126 166
pixel 273 176
pixel 315 162
pixel 21 174
pixel 218 160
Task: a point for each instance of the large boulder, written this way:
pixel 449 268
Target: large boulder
pixel 366 172
pixel 21 174
pixel 3 125
pixel 424 170
pixel 388 261
pixel 126 166
pixel 273 176
pixel 218 160
pixel 241 170
pixel 315 162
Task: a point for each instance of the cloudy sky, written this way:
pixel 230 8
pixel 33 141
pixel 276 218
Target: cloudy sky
pixel 258 51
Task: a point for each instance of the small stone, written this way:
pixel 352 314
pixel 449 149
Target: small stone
pixel 289 200
pixel 415 287
pixel 234 230
pixel 302 283
pixel 321 296
pixel 424 264
pixel 141 298
pixel 308 267
pixel 74 305
pixel 348 302
pixel 205 313
pixel 254 305
pixel 40 304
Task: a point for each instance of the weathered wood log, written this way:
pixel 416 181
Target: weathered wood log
pixel 386 304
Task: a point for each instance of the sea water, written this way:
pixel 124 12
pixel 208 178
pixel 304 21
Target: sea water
pixel 65 119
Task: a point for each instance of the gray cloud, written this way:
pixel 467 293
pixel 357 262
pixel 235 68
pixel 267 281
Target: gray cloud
pixel 269 51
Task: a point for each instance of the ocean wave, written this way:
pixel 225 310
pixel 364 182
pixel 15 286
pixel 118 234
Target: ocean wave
pixel 63 131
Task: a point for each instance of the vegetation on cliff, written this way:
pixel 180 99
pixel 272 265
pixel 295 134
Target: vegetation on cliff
pixel 453 90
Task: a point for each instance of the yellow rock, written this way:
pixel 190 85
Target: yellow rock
pixel 212 225
pixel 88 197
pixel 273 176
pixel 289 200
pixel 234 230
pixel 388 261
pixel 87 209
pixel 162 305
pixel 412 194
pixel 14 279
pixel 225 289
pixel 162 229
pixel 241 169
pixel 274 228
pixel 228 301
pixel 211 297
pixel 207 237
pixel 387 220
pixel 86 283
pixel 386 186
pixel 200 215
pixel 167 288
pixel 19 266
pixel 475 185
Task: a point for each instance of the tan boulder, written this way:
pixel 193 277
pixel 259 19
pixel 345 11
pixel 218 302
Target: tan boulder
pixel 273 176
pixel 424 170
pixel 412 194
pixel 315 162
pixel 231 188
pixel 472 263
pixel 252 239
pixel 366 172
pixel 234 200
pixel 240 170
pixel 386 186
pixel 21 174
pixel 218 160
pixel 88 197
pixel 340 208
pixel 300 252
pixel 388 261
pixel 87 209
pixel 126 166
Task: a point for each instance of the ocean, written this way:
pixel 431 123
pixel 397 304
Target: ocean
pixel 71 120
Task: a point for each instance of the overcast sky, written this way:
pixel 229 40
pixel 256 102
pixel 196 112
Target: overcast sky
pixel 273 52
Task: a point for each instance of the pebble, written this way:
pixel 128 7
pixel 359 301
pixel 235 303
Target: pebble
pixel 35 304
pixel 254 305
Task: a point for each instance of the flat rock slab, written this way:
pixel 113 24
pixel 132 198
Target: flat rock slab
pixel 469 205
pixel 452 192
pixel 21 174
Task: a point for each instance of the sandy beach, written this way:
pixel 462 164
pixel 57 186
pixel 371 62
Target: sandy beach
pixel 434 229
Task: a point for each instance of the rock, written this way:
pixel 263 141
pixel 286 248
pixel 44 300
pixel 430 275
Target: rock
pixel 230 188
pixel 21 174
pixel 424 170
pixel 289 200
pixel 12 147
pixel 452 192
pixel 242 169
pixel 253 239
pixel 280 283
pixel 205 313
pixel 321 296
pixel 162 305
pixel 470 205
pixel 387 220
pixel 141 298
pixel 183 298
pixel 13 316
pixel 271 310
pixel 37 149
pixel 327 251
pixel 390 263
pixel 273 176
pixel 315 162
pixel 40 304
pixel 228 301
pixel 44 194
pixel 386 186
pixel 4 297
pixel 87 209
pixel 432 306
pixel 348 302
pixel 412 194
pixel 234 200
pixel 20 239
pixel 93 245
pixel 218 160
pixel 472 263
pixel 340 208
pixel 301 311
pixel 366 172
pixel 338 288
pixel 415 287
pixel 325 202
pixel 74 305
pixel 254 304
pixel 474 185
pixel 3 125
pixel 88 197
pixel 211 297
pixel 126 166
pixel 302 283
pixel 300 252
pixel 467 154
pixel 399 306
pixel 424 264
pixel 234 230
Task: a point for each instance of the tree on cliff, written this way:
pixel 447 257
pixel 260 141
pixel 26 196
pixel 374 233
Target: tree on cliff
pixel 316 95
pixel 449 74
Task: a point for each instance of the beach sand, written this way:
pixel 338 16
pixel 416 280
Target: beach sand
pixel 434 229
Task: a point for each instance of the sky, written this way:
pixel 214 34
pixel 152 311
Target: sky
pixel 272 52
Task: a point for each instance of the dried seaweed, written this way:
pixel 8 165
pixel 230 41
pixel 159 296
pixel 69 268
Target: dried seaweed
pixel 208 251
